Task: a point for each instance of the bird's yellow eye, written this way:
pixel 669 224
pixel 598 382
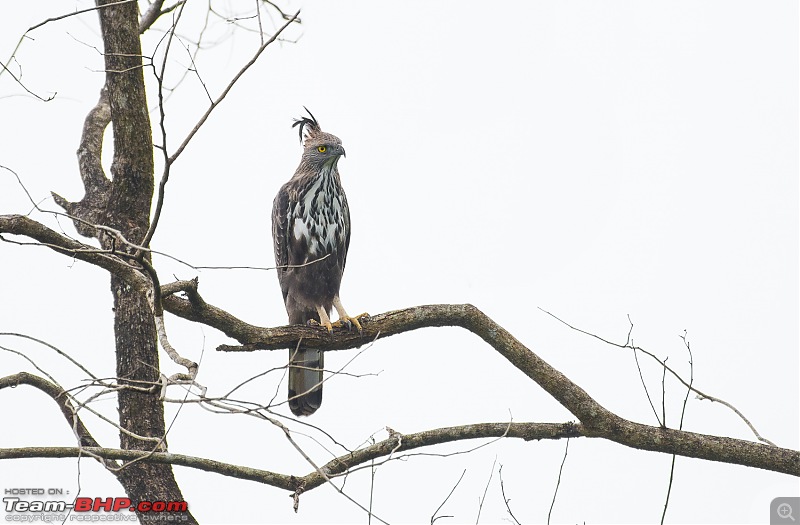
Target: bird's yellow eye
pixel 322 149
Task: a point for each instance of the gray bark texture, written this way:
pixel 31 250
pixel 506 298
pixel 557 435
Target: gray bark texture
pixel 123 203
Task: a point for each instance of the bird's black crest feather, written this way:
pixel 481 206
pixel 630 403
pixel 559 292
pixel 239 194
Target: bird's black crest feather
pixel 313 125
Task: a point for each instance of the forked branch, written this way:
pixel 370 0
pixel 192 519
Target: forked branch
pixel 596 420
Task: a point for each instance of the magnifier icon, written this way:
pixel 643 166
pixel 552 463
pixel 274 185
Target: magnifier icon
pixel 785 511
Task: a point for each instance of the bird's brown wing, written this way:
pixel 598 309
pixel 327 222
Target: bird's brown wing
pixel 280 234
pixel 342 253
pixel 305 365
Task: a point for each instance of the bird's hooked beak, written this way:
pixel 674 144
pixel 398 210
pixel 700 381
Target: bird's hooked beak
pixel 344 154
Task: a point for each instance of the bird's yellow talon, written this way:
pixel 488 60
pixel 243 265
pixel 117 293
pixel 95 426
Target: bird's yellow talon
pixel 350 322
pixel 326 324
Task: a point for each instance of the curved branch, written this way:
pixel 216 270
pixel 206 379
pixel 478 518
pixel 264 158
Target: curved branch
pixel 526 431
pixel 209 465
pixel 196 309
pixel 597 421
pixel 22 225
pixel 59 396
pixel 154 12
pixel 402 442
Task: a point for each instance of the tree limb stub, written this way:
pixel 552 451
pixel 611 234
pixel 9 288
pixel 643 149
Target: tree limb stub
pixel 97 187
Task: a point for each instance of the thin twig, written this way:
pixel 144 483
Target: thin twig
pixel 320 471
pixel 268 268
pixel 700 395
pixel 373 470
pixel 713 399
pixel 81 11
pixel 53 348
pixel 558 482
pixel 485 490
pixel 3 66
pixel 162 126
pixel 664 395
pixel 434 517
pixel 31 361
pixel 505 499
pixel 219 99
pixel 644 385
pixel 680 425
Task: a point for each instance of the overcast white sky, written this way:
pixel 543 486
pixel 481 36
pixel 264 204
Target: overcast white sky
pixel 593 159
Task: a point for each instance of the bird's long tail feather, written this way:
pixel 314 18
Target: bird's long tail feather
pixel 305 381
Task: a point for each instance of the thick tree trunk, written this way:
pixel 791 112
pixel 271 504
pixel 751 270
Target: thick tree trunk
pixel 128 210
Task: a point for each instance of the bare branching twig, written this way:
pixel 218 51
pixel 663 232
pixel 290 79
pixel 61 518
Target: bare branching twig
pixel 506 500
pixel 680 424
pixel 434 516
pixel 700 394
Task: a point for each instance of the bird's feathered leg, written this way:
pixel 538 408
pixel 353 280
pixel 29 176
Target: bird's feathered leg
pixel 343 317
pixel 324 320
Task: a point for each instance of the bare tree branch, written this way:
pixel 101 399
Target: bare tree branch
pixel 53 348
pixel 700 394
pixel 151 16
pixel 154 12
pixel 58 394
pixel 22 225
pixel 80 11
pixel 596 419
pixel 18 79
pixel 208 465
pixel 230 85
pixel 526 431
pixel 169 160
pixel 505 499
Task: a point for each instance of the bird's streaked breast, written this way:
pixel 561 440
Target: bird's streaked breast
pixel 318 215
